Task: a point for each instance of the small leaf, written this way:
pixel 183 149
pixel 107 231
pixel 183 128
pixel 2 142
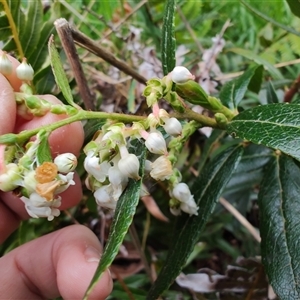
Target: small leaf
pixel 207 189
pixel 257 59
pixel 274 125
pixel 271 93
pixel 279 205
pixel 168 38
pixel 43 153
pixel 233 91
pixel 123 216
pixel 59 73
pixel 294 6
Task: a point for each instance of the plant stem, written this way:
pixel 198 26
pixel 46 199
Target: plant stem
pixel 13 27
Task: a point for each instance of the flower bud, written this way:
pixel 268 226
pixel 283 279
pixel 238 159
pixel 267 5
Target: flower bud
pixel 5 64
pixel 25 71
pixel 129 166
pixel 182 192
pixel 155 143
pixel 173 127
pixel 163 114
pixel 66 162
pixel 161 168
pixel 11 178
pixel 181 75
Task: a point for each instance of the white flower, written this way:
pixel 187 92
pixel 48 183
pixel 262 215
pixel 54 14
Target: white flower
pixel 29 182
pixel 66 162
pixel 104 198
pixel 129 166
pixel 181 75
pixel 182 193
pixel 161 168
pixel 11 178
pixel 156 143
pixel 66 181
pixel 93 167
pixel 173 127
pixel 5 64
pixel 24 71
pixel 38 206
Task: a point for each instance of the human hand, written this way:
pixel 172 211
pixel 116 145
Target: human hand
pixel 61 263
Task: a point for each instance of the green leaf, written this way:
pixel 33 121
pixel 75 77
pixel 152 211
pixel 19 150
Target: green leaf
pixel 279 205
pixel 233 91
pixel 43 153
pixel 34 18
pixel 268 19
pixel 294 6
pixel 257 59
pixel 168 38
pixel 274 125
pixel 59 73
pixel 123 216
pixel 271 93
pixel 207 189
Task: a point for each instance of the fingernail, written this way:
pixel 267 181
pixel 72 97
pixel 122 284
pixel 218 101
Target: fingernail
pixel 92 254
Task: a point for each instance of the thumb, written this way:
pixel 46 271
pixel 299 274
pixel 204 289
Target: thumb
pixel 61 263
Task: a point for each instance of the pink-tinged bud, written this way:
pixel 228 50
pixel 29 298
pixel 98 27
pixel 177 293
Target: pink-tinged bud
pixel 173 127
pixel 129 166
pixel 25 71
pixel 66 162
pixel 156 143
pixel 181 75
pixel 5 64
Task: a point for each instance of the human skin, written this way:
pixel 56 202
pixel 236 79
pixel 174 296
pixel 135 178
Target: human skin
pixel 63 262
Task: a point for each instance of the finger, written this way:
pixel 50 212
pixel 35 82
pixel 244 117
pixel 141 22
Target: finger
pixel 60 263
pixel 12 209
pixel 14 81
pixel 8 106
pixel 68 138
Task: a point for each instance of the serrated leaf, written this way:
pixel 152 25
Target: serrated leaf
pixel 168 38
pixel 279 205
pixel 207 189
pixel 271 93
pixel 233 91
pixel 274 125
pixel 59 73
pixel 123 216
pixel 257 59
pixel 294 6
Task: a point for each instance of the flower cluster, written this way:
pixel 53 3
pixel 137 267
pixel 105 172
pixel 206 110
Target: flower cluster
pixel 110 165
pixel 39 184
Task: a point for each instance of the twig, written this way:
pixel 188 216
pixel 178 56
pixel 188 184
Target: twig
pixel 123 20
pixel 190 30
pixel 236 74
pixel 83 41
pixel 241 219
pixel 64 32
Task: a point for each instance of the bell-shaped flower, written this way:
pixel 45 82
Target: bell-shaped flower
pixel 181 75
pixel 173 127
pixel 6 66
pixel 156 143
pixel 161 168
pixel 95 168
pixel 129 165
pixel 38 207
pixel 11 178
pixel 66 162
pixel 189 207
pixel 181 192
pixel 25 71
pixel 103 196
